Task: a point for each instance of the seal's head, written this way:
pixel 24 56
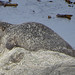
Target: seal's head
pixel 3 27
pixel 11 43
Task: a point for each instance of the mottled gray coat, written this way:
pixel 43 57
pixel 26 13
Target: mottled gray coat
pixel 35 36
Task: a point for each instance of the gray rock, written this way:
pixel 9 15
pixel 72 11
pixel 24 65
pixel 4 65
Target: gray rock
pixel 19 61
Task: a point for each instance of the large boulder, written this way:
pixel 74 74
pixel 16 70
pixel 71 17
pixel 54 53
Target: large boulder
pixel 19 61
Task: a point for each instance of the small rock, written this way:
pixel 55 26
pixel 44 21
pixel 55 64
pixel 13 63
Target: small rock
pixel 49 17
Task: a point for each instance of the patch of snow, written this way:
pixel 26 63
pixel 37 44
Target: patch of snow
pixel 32 10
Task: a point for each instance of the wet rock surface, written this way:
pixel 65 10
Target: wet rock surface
pixel 19 61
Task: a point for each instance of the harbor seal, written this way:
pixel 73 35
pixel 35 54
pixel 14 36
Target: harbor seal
pixel 34 36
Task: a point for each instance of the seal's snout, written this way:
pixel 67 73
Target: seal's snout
pixel 11 43
pixel 9 46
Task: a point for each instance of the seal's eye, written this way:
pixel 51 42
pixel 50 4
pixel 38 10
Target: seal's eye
pixel 3 28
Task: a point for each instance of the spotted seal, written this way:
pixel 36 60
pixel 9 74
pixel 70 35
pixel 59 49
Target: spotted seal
pixel 35 36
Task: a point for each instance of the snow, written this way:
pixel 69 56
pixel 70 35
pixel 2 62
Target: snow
pixel 32 10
